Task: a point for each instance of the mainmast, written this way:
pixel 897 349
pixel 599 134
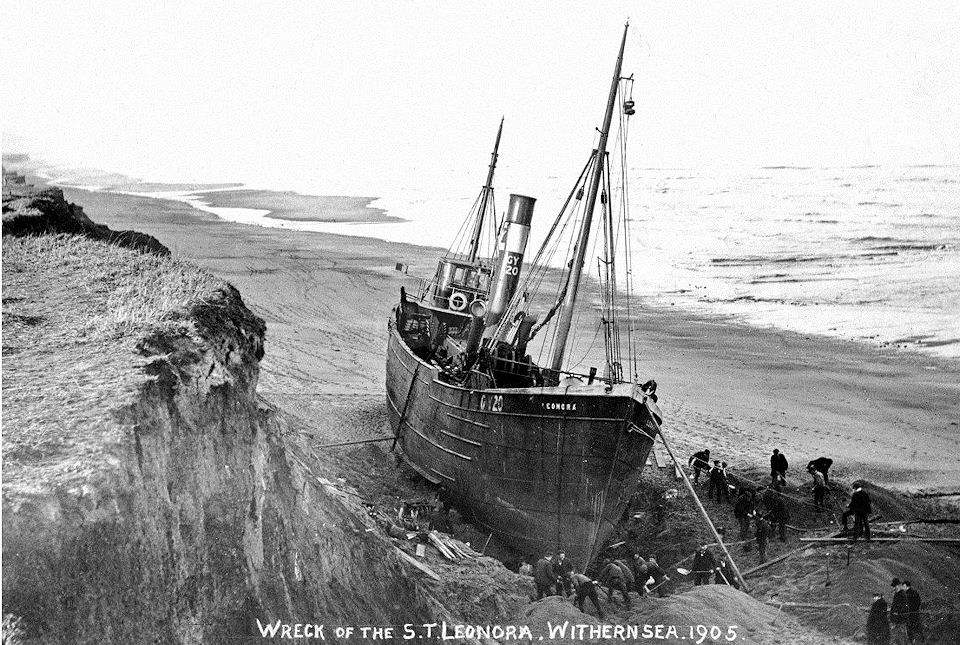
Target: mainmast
pixel 565 316
pixel 484 199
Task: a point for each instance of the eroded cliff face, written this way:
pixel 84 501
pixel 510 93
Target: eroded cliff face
pixel 204 517
pixel 39 210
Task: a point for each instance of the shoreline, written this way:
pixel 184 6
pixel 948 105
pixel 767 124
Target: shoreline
pixel 889 415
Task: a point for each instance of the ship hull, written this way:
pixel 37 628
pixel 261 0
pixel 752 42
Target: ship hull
pixel 543 468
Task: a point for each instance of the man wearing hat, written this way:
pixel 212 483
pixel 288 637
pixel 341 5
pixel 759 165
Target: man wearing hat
pixel 898 613
pixel 914 627
pixel 878 625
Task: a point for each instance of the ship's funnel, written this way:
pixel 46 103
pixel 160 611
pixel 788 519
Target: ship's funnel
pixel 510 257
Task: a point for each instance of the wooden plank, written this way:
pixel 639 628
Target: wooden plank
pixel 418 565
pixel 661 462
pixel 886 539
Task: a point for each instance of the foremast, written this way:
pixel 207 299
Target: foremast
pixel 487 194
pixel 565 315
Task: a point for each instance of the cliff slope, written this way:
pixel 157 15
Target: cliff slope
pixel 147 495
pixel 36 210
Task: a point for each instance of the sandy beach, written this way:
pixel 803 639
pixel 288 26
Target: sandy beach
pixel 888 415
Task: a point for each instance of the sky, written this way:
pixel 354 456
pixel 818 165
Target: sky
pixel 363 97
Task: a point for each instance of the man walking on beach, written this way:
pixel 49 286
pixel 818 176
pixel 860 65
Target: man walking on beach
pixel 544 576
pixel 704 564
pixel 860 508
pixel 778 467
pixel 699 461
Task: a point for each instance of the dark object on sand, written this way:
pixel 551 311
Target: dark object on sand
pixel 546 458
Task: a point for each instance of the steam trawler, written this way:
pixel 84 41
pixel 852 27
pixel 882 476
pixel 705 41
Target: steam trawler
pixel 542 456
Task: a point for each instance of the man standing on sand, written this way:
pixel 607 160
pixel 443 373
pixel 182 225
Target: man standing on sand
pixel 742 511
pixel 819 487
pixel 776 511
pixel 699 461
pixel 704 564
pixel 898 613
pixel 562 567
pixel 914 626
pixel 585 588
pixel 718 482
pixel 778 467
pixel 860 508
pixel 878 625
pixel 762 534
pixel 544 576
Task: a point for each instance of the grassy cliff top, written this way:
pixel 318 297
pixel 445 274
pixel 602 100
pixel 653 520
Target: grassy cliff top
pixel 73 311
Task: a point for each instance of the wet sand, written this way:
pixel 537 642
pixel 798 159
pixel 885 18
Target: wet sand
pixel 888 415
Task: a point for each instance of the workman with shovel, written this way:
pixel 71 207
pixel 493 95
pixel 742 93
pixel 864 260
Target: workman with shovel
pixel 584 588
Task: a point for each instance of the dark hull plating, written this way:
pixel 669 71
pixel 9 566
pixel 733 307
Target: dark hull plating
pixel 543 468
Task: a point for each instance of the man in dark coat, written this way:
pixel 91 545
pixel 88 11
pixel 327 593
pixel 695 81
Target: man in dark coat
pixel 699 461
pixel 762 534
pixel 544 576
pixel 860 508
pixel 776 512
pixel 655 571
pixel 611 576
pixel 742 510
pixel 778 466
pixel 822 465
pixel 629 580
pixel 878 625
pixel 704 564
pixel 718 482
pixel 562 567
pixel 898 613
pixel 640 574
pixel 584 588
pixel 914 626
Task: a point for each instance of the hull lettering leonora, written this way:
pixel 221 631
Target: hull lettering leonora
pixel 546 458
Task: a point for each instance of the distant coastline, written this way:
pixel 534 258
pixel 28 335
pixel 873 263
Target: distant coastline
pixel 296 207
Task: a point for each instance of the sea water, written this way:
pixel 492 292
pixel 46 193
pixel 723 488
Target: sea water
pixel 865 252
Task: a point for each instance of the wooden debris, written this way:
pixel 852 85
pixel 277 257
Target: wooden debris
pixel 443 548
pixel 418 565
pixel 804 605
pixel 904 538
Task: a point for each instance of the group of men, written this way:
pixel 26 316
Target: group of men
pixel 902 625
pixel 559 577
pixel 768 512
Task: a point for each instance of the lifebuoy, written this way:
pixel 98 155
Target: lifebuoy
pixel 458 301
pixel 478 308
